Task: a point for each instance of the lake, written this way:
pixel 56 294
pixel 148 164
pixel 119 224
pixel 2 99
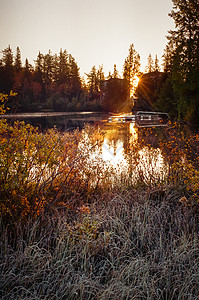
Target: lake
pixel 62 120
pixel 120 150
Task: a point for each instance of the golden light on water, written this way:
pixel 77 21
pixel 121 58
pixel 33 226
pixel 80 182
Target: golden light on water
pixel 112 152
pixel 113 148
pixel 120 153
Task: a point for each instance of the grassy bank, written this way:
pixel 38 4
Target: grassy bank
pixel 71 228
pixel 128 245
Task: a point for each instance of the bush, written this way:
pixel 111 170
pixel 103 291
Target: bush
pixel 41 171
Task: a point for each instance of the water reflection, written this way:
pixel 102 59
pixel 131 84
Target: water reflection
pixel 115 146
pixel 121 152
pixel 61 120
pixel 117 140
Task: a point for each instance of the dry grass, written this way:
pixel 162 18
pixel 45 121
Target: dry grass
pixel 130 246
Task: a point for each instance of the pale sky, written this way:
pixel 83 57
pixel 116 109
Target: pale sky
pixel 95 32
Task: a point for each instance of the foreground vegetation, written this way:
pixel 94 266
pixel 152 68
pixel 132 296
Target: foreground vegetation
pixel 71 228
pixel 128 246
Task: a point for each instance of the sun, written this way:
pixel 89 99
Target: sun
pixel 136 79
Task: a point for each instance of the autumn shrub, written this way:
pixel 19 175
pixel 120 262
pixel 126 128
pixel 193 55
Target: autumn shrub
pixel 28 159
pixel 179 147
pixel 41 170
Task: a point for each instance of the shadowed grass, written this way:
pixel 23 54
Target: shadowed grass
pixel 127 247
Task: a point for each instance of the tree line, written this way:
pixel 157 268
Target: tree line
pixel 55 82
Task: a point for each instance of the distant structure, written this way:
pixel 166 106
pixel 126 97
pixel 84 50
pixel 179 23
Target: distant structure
pixel 115 93
pixel 146 91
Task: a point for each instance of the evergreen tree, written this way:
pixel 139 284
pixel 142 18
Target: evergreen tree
pixel 18 77
pixel 7 70
pixel 115 95
pixel 184 42
pixel 28 67
pixel 167 100
pixel 131 68
pixel 100 77
pixel 100 73
pixel 39 62
pixel 92 82
pixel 55 69
pixel 38 70
pixel 38 87
pixel 63 72
pixel 48 68
pixel 156 64
pixel 8 57
pixel 150 64
pixel 75 81
pixel 115 72
pixel 18 63
pixel 168 58
pixel 26 93
pixel 27 74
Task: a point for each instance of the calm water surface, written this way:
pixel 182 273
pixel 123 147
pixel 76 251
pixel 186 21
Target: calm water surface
pixel 62 120
pixel 119 149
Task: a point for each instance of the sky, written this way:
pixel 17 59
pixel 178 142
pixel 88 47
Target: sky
pixel 95 32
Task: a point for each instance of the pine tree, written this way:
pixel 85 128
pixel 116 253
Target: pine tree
pixel 75 81
pixel 156 64
pixel 100 77
pixel 168 58
pixel 184 42
pixel 92 83
pixel 7 70
pixel 150 64
pixel 39 62
pixel 63 72
pixel 131 69
pixel 55 69
pixel 38 74
pixel 8 57
pixel 18 63
pixel 48 68
pixel 115 72
pixel 28 70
